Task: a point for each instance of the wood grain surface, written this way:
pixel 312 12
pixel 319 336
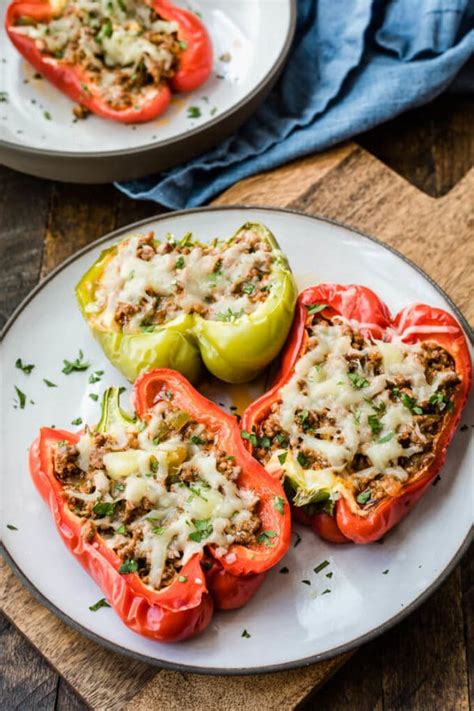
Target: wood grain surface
pixel 421 664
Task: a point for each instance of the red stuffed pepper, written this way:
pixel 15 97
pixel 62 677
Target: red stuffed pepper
pixel 362 411
pixel 167 510
pixel 119 59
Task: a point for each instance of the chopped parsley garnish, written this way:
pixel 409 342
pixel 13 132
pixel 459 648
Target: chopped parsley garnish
pixel 179 264
pixel 252 438
pixel 264 442
pixel 182 44
pixel 357 415
pixel 321 566
pixel 281 439
pixel 49 383
pixel 128 566
pixel 358 382
pixel 280 504
pixel 364 496
pixel 384 572
pixel 386 438
pixel 441 402
pixel 197 440
pixel 182 578
pixel 248 287
pixel 298 539
pixel 158 530
pixel 203 530
pixel 121 529
pixel 306 582
pixel 11 527
pixel 194 112
pixel 23 366
pixel 4 95
pixel 303 417
pixel 374 424
pixel 95 377
pixel 77 364
pixel 94 396
pixel 147 329
pixel 119 486
pixel 97 605
pixel 168 394
pixel 229 316
pixel 104 508
pixel 316 308
pixel 282 457
pixel 77 421
pixel 266 536
pixel 302 460
pixel 410 404
pixel 197 492
pixel 245 634
pixel 325 592
pixel 47 115
pixel 328 575
pixel 284 570
pixel 21 398
pixel 154 464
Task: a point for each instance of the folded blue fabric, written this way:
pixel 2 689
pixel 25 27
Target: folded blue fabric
pixel 353 65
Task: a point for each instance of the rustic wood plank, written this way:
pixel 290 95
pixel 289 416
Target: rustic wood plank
pixel 21 240
pixel 78 215
pixel 108 680
pixel 467 592
pixel 431 146
pixel 27 681
pixel 67 699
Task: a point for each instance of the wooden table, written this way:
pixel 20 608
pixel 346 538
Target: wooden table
pixel 424 663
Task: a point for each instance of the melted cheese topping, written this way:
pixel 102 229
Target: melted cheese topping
pixel 220 282
pixel 172 518
pixel 343 403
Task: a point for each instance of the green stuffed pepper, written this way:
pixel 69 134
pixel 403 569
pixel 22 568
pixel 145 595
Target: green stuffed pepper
pixel 179 304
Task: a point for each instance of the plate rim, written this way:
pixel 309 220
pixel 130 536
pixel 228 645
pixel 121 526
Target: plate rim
pixel 233 111
pixel 240 671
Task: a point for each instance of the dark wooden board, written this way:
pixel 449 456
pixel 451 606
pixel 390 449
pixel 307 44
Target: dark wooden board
pixel 422 663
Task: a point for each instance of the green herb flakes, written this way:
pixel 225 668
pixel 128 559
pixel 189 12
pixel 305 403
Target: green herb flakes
pixel 21 398
pixel 246 634
pixel 194 112
pixel 284 570
pixel 357 381
pixel 128 566
pixel 203 530
pixel 282 457
pixel 26 368
pixel 302 460
pixel 265 538
pixel 386 438
pixel 104 508
pixel 94 396
pixel 364 497
pixel 77 421
pixel 306 582
pixel 196 440
pixel 321 566
pixel 316 308
pixel 182 578
pixel 280 505
pixel 95 377
pixel 49 383
pixel 384 572
pixel 11 527
pixel 374 424
pixel 97 605
pixel 75 365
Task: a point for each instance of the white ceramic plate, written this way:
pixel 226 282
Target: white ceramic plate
pixel 37 126
pixel 290 623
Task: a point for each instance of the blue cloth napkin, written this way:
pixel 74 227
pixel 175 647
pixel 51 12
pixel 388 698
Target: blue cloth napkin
pixel 353 65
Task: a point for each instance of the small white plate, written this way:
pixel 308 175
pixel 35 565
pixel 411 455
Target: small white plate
pixel 290 623
pixel 38 133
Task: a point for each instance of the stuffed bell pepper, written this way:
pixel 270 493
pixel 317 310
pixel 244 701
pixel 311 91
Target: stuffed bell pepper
pixel 177 304
pixel 119 59
pixel 166 510
pixel 362 411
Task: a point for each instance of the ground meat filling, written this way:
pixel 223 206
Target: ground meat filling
pixel 123 47
pixel 148 283
pixel 357 415
pixel 157 492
